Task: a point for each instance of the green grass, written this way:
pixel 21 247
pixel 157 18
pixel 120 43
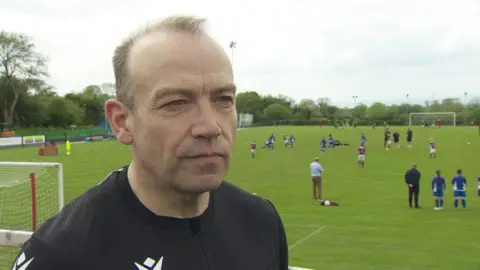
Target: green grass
pixel 372 229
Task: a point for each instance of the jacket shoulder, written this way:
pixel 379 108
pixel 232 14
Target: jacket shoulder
pixel 245 203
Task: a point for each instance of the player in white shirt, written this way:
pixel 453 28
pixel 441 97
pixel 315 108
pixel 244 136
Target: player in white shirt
pixel 316 170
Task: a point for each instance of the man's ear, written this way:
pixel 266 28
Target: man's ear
pixel 117 115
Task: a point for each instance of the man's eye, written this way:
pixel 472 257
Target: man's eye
pixel 175 104
pixel 225 99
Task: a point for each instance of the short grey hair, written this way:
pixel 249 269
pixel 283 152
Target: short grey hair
pixel 176 23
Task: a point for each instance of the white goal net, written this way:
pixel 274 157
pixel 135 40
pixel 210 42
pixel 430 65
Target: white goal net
pixel 30 193
pixel 245 120
pixel 432 119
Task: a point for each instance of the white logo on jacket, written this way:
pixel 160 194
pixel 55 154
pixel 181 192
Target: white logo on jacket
pixel 21 263
pixel 150 264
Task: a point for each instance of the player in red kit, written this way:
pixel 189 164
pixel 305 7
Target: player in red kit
pixel 361 155
pixel 433 149
pixel 253 147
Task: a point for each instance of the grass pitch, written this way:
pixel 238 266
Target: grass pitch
pixel 372 229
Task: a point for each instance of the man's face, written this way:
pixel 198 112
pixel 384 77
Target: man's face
pixel 184 123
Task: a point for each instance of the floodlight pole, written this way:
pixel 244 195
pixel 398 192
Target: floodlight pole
pixel 354 107
pixel 408 108
pixel 233 46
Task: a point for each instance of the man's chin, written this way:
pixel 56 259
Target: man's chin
pixel 201 184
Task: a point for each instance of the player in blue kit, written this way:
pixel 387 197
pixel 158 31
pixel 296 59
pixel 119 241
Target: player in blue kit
pixel 323 143
pixel 292 141
pixel 459 183
pixel 331 141
pixel 438 188
pixel 270 141
pixel 364 138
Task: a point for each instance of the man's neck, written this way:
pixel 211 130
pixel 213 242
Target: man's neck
pixel 162 200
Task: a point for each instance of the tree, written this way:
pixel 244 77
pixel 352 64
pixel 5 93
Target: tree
pixel 249 102
pixel 476 115
pixel 360 111
pixel 306 108
pixel 63 113
pixel 277 112
pixel 20 66
pixel 378 111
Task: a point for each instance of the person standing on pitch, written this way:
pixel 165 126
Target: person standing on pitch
pixel 412 178
pixel 316 171
pixel 409 138
pixel 478 186
pixel 170 208
pixel 438 188
pixel 68 148
pixel 459 183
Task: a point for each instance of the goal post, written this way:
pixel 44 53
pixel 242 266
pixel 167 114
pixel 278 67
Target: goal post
pixel 418 118
pixel 30 193
pixel 245 120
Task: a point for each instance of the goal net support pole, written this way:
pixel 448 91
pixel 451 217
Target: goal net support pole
pixel 30 193
pixel 453 114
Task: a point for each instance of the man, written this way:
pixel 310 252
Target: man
pixel 478 186
pixel 331 141
pixel 253 147
pixel 438 188
pixel 409 138
pixel 432 149
pixel 292 141
pixel 169 209
pixel 386 140
pixel 361 156
pixel 323 143
pixel 286 141
pixel 459 183
pixel 412 178
pixel 270 141
pixel 363 139
pixel 396 139
pixel 316 171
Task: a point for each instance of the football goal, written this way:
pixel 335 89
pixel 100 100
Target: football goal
pixel 446 118
pixel 30 193
pixel 245 120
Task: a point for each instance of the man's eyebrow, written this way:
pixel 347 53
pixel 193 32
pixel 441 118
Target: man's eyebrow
pixel 161 93
pixel 226 88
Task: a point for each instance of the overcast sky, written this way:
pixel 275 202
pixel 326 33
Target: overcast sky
pixel 378 50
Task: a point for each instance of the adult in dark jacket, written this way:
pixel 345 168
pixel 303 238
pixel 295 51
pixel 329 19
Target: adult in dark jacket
pixel 412 178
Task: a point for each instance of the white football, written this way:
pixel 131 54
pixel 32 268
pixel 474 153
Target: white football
pixel 327 203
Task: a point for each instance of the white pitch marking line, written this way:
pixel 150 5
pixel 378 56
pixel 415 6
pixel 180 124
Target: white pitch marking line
pixel 307 237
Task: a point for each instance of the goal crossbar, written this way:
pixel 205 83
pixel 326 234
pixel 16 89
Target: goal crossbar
pixel 432 113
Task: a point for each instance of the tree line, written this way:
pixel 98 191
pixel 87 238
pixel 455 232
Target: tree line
pixel 27 100
pixel 269 109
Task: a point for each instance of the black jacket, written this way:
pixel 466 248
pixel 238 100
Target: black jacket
pixel 109 228
pixel 412 177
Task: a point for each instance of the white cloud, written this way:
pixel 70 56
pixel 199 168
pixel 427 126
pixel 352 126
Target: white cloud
pixel 376 49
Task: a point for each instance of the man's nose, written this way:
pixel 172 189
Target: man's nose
pixel 206 123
